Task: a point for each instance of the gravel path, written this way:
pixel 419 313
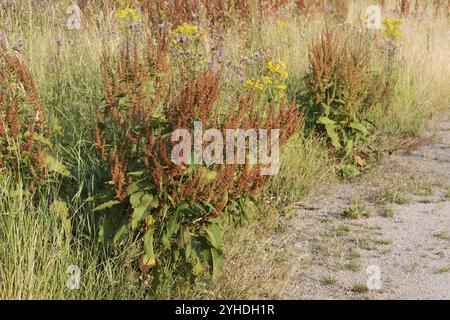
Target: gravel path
pixel 401 251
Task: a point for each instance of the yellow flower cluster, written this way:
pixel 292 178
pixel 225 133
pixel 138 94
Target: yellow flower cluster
pixel 187 33
pixel 279 69
pixel 186 29
pixel 128 15
pixel 188 43
pixel 392 29
pixel 273 83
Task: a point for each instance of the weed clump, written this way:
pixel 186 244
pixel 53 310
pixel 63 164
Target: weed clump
pixel 23 124
pixel 355 212
pixel 360 288
pixel 342 92
pixel 177 210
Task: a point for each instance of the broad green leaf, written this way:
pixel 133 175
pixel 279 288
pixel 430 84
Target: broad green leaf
pixel 140 202
pixel 121 232
pixel 348 148
pixel 136 173
pixel 148 258
pixel 358 126
pixel 97 197
pixel 112 229
pixel 349 145
pixel 371 119
pixel 214 234
pixel 182 207
pixel 135 199
pixel 217 262
pixel 106 230
pixel 41 139
pixel 326 121
pixel 55 126
pixel 256 204
pixel 243 205
pixel 107 205
pixel 225 197
pixel 326 109
pixel 136 187
pixel 55 166
pixel 330 127
pixel 329 85
pixel 184 238
pixel 171 229
pixel 333 136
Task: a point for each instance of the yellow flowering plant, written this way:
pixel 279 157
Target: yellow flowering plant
pixel 128 17
pixel 188 45
pixel 187 29
pixel 273 83
pixel 392 29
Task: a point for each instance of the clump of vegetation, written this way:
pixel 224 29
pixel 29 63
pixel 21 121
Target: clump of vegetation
pixel 329 280
pixel 354 211
pixel 179 211
pixel 24 135
pixel 229 64
pixel 343 230
pixel 360 288
pixel 390 195
pixel 443 270
pixel 353 266
pixel 23 128
pixel 384 242
pixel 342 91
pixel 443 235
pixel 388 211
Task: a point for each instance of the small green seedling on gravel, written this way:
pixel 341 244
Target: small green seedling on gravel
pixel 390 195
pixel 354 211
pixel 329 280
pixel 388 211
pixel 343 230
pixel 443 235
pixel 443 270
pixel 384 242
pixel 354 255
pixel 353 266
pixel 360 288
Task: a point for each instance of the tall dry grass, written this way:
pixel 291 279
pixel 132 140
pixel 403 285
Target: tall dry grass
pixel 36 249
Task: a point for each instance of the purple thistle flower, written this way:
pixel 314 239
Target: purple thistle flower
pixel 328 8
pixel 389 47
pixel 134 26
pixel 184 38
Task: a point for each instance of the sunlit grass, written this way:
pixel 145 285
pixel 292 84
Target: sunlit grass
pixel 35 247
